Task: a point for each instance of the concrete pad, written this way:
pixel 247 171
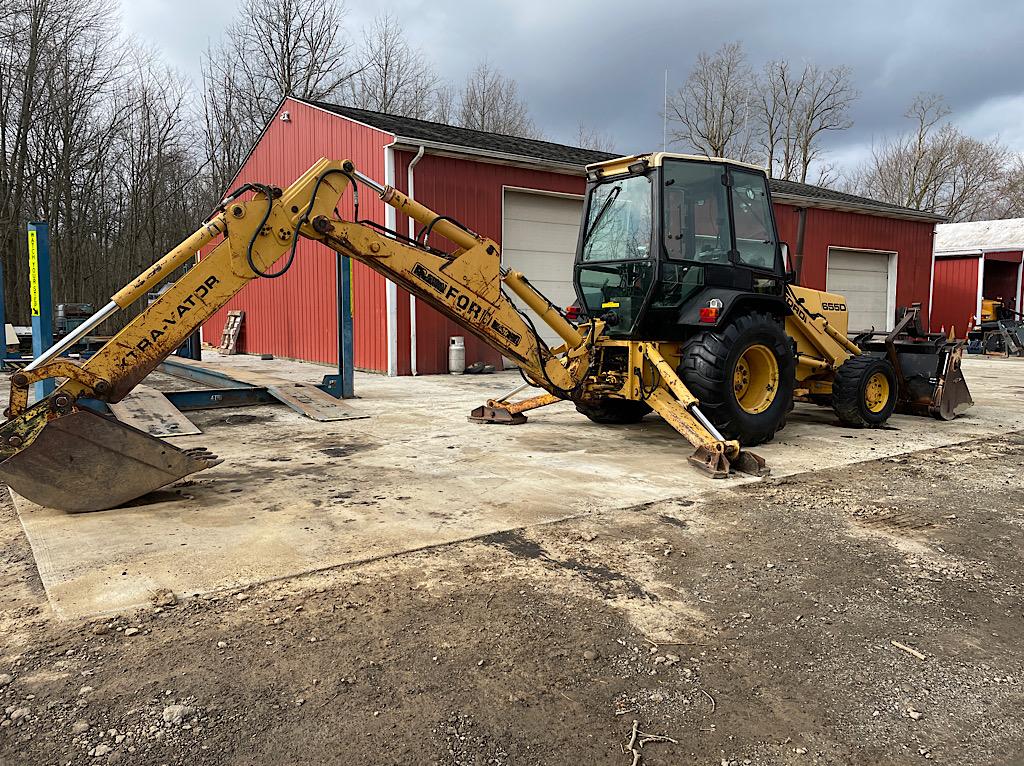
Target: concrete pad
pixel 294 495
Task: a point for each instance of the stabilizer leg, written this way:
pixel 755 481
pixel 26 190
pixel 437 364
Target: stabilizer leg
pixel 507 413
pixel 716 457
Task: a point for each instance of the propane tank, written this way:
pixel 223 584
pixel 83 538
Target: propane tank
pixel 457 355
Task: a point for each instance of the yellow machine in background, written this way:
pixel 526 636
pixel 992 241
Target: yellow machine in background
pixel 685 308
pixel 990 309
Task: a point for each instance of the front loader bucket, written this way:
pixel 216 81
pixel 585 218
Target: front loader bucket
pixel 927 371
pixel 930 379
pixel 83 461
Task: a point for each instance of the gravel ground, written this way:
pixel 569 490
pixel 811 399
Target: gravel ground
pixel 860 616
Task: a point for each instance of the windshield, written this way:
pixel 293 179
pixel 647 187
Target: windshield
pixel 618 225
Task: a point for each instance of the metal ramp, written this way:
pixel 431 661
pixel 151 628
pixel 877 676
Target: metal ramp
pixel 149 410
pixel 305 398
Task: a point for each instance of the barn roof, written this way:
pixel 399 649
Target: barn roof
pixel 410 132
pixel 819 196
pixel 451 135
pixel 979 236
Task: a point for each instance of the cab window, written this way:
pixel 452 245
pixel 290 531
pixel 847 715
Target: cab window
pixel 755 240
pixel 696 212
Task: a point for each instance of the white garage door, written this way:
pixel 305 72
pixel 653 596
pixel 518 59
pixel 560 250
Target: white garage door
pixel 863 278
pixel 539 239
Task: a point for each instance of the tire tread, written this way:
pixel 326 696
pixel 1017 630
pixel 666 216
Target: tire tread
pixel 703 370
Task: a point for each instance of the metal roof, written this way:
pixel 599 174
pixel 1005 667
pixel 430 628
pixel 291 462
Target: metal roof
pixel 412 129
pixel 819 196
pixel 978 236
pixel 439 136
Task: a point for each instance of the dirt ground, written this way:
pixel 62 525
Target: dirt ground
pixel 758 626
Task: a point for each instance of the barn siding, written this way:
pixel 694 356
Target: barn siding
pixel 912 240
pixel 955 296
pixel 295 316
pixel 470 192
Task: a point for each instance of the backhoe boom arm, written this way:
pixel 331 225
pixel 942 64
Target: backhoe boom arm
pixel 79 465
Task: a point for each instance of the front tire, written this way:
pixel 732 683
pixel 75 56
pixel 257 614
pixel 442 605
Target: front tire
pixel 614 411
pixel 743 374
pixel 864 391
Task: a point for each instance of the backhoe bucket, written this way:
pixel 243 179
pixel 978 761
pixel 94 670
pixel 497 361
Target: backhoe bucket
pixel 83 461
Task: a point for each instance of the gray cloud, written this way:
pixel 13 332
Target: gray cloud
pixel 604 63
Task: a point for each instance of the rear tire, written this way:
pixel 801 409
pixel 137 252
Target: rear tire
pixel 743 374
pixel 614 411
pixel 864 391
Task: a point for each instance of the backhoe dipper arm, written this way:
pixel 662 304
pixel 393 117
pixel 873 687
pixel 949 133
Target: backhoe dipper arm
pixel 257 233
pixel 64 456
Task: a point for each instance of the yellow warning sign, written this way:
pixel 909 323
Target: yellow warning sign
pixel 33 271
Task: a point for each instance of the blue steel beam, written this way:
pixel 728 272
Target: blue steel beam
pixel 211 399
pixel 200 399
pixel 3 318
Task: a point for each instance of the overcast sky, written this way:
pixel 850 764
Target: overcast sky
pixel 604 62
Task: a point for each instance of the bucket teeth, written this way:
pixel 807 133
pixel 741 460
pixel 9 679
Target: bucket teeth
pixel 203 454
pixel 83 461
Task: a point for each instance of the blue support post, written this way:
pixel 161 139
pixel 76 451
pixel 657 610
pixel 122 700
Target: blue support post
pixel 341 385
pixel 41 294
pixel 3 319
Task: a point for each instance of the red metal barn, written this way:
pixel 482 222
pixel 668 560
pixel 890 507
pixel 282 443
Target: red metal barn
pixel 527 196
pixel 975 261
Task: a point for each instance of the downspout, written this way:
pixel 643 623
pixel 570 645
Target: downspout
pixel 931 283
pixel 798 257
pixel 981 287
pixel 410 189
pixel 1020 280
pixel 390 288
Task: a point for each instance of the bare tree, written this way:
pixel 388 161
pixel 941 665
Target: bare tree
pixel 276 48
pixel 289 48
pixel 794 111
pixel 713 112
pixel 935 167
pixel 1009 199
pixel 446 102
pixel 490 101
pixel 228 132
pixel 393 77
pixel 592 138
pixel 96 138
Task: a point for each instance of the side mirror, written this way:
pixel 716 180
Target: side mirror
pixel 784 246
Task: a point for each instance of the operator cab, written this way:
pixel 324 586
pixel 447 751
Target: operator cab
pixel 667 235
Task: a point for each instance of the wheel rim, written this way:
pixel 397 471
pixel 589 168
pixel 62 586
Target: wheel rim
pixel 755 381
pixel 876 392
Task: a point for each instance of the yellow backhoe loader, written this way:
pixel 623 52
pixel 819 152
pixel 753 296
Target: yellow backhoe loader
pixel 684 307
